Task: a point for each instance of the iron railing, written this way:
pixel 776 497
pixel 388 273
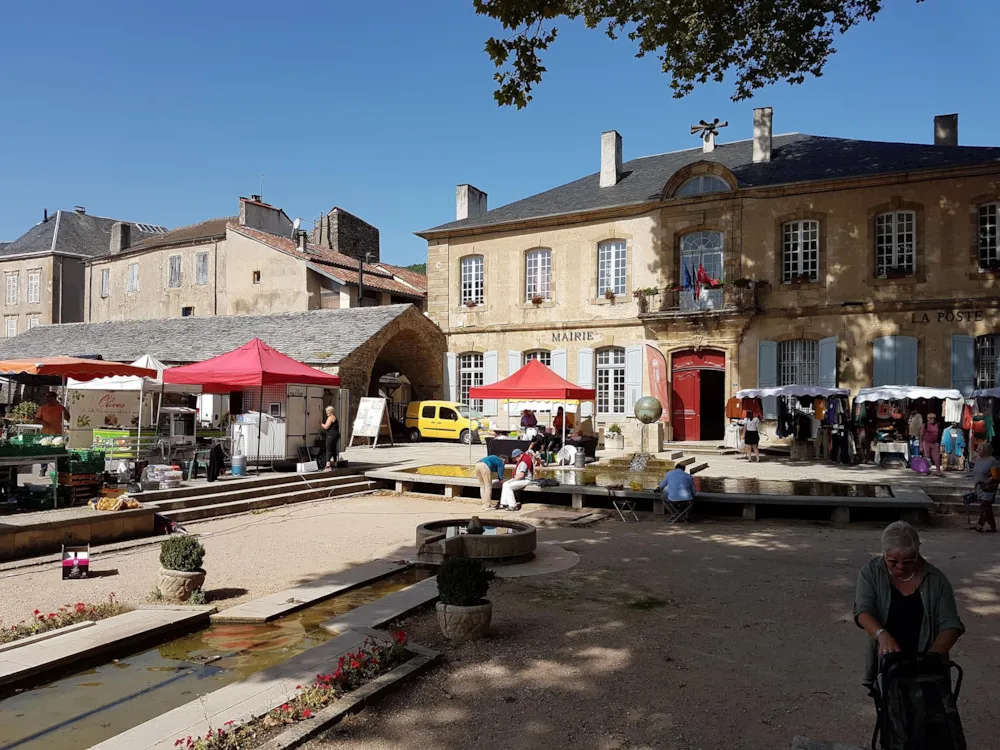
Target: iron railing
pixel 673 302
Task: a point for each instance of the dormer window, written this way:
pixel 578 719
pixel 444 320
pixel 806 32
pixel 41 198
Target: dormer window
pixel 702 184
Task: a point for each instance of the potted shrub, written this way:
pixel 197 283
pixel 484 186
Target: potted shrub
pixel 613 438
pixel 463 611
pixel 609 294
pixel 471 303
pixel 537 299
pixel 181 573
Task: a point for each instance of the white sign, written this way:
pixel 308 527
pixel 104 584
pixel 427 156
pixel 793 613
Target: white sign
pixel 91 410
pixel 368 421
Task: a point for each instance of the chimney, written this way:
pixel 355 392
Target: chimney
pixel 946 130
pixel 80 209
pixel 301 236
pixel 611 158
pixel 256 198
pixel 121 237
pixel 45 215
pixel 761 134
pixel 470 202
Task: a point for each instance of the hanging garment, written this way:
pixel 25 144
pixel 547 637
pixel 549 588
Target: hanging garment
pixel 216 462
pixel 953 442
pixel 966 417
pixel 914 424
pixel 734 409
pixel 820 406
pixel 782 430
pixel 952 411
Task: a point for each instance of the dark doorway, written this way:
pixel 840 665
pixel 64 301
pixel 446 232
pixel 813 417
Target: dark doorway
pixel 713 405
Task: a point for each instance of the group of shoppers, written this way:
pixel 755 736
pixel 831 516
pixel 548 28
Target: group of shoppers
pixel 525 464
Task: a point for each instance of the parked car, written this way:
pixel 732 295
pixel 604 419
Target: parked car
pixel 445 420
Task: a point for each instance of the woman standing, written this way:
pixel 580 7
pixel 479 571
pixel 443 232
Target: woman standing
pixel 903 602
pixel 930 441
pixel 330 432
pixel 751 436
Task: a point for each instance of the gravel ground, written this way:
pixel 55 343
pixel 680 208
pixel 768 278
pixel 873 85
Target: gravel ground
pixel 720 636
pixel 248 556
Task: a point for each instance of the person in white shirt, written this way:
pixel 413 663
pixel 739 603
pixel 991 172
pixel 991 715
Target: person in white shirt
pixel 523 474
pixel 751 437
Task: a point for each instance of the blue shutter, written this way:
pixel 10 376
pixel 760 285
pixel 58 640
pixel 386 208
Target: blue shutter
pixel 767 375
pixel 883 369
pixel 828 362
pixel 489 378
pixel 513 362
pixel 585 377
pixel 905 360
pixel 633 378
pixel 963 363
pixel 559 362
pixel 450 382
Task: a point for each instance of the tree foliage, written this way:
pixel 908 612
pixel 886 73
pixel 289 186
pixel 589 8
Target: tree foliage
pixel 761 41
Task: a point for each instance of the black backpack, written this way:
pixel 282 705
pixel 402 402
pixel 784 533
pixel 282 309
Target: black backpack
pixel 916 708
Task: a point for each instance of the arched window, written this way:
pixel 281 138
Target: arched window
pixel 472 280
pixel 611 380
pixel 798 362
pixel 800 250
pixel 701 250
pixel 538 274
pixel 894 242
pixel 989 250
pixel 470 374
pixel 611 265
pixel 987 348
pixel 702 184
pixel 542 355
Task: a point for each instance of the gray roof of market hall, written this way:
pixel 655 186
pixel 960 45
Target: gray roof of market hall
pixel 794 158
pixel 72 233
pixel 318 337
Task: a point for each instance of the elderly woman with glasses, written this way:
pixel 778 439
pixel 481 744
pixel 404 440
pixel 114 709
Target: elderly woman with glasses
pixel 903 602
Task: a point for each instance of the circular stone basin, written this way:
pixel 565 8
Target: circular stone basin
pixel 501 539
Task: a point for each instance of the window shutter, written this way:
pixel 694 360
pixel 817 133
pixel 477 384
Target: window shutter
pixel 450 377
pixel 513 362
pixel 767 375
pixel 633 378
pixel 828 362
pixel 883 369
pixel 489 378
pixel 559 362
pixel 905 360
pixel 585 377
pixel 963 363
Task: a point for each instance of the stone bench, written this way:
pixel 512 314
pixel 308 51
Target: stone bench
pixel 27 534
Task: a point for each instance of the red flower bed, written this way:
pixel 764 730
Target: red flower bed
pixel 70 614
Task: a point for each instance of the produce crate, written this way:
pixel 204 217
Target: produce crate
pixel 80 480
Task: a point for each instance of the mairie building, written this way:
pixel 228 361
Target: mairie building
pixel 777 260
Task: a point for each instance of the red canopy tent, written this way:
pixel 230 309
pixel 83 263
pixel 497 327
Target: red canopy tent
pixel 253 364
pixel 535 381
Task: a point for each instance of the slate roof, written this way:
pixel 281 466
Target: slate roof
pixel 193 234
pixel 318 337
pixel 75 233
pixel 794 158
pixel 419 280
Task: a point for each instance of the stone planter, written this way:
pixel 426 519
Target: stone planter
pixel 464 623
pixel 178 585
pixel 614 441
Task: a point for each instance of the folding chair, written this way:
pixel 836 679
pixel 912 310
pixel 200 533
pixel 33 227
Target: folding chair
pixel 678 510
pixel 623 504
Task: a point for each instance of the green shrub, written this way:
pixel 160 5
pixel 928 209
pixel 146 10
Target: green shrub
pixel 24 412
pixel 183 553
pixel 463 582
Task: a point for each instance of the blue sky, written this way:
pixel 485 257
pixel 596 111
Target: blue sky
pixel 167 112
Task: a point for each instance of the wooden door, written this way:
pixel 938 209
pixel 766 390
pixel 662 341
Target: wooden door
pixel 685 400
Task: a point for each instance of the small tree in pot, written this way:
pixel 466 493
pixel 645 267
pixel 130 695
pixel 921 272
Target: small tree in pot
pixel 463 611
pixel 181 573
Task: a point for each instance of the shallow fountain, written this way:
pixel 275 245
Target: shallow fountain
pixel 492 539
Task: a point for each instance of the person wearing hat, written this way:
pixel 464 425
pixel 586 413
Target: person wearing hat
pixel 485 469
pixel 523 474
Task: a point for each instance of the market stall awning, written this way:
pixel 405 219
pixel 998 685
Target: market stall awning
pixel 986 393
pixel 133 382
pixel 253 364
pixel 793 390
pixel 70 367
pixel 533 382
pixel 900 392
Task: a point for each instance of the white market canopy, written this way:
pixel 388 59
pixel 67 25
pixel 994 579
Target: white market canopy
pixel 814 391
pixel 986 393
pixel 134 383
pixel 900 392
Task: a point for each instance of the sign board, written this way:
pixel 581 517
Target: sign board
pixel 75 562
pixel 372 414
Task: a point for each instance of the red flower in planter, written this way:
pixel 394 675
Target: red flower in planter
pixel 286 707
pixel 37 612
pixel 306 714
pixel 399 637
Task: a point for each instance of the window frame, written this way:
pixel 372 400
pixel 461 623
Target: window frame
pixel 105 288
pixel 34 321
pixel 986 369
pixel 132 278
pixel 12 291
pixel 889 243
pixel 170 271
pixel 7 320
pixel 471 373
pixel 609 384
pixel 700 180
pixel 799 359
pixel 538 280
pixel 35 285
pixel 542 355
pixel 201 259
pixel 612 267
pixel 795 247
pixel 991 261
pixel 472 280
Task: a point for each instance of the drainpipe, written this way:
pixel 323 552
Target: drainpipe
pixel 60 289
pixel 215 283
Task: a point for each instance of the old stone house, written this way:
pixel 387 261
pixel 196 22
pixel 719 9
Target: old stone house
pixel 255 262
pixel 769 261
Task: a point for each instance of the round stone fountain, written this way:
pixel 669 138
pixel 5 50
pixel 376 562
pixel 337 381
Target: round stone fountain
pixel 495 540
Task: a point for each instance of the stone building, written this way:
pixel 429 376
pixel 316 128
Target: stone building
pixel 43 269
pixel 256 262
pixel 821 260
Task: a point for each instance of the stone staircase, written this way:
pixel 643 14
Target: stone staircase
pixel 230 496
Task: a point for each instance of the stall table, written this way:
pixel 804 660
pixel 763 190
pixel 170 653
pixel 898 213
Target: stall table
pixel 901 446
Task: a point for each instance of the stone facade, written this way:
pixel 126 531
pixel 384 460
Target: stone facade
pixel 347 234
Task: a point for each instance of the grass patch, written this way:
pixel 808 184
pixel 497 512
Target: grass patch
pixel 646 603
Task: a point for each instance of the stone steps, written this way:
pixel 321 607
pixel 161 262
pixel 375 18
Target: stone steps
pixel 222 494
pixel 231 484
pixel 200 512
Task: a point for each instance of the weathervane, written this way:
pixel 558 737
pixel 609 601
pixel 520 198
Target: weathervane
pixel 708 131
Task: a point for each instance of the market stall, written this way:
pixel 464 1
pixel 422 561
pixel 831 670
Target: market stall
pixel 889 418
pixel 807 414
pixel 277 402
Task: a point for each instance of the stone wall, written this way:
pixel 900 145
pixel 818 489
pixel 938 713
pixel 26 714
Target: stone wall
pixel 347 234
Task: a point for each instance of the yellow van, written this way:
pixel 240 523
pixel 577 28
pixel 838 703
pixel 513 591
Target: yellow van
pixel 445 420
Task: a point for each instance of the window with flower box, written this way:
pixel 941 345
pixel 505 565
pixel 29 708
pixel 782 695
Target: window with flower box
pixel 472 280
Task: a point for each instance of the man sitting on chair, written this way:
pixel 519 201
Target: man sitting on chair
pixel 677 490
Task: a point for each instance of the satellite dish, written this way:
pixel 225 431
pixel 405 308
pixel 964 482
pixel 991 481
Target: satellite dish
pixel 295 224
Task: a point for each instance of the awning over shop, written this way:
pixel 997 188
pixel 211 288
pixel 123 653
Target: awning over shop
pixel 900 392
pixel 62 368
pixel 134 382
pixel 534 382
pixel 986 393
pixel 814 391
pixel 255 364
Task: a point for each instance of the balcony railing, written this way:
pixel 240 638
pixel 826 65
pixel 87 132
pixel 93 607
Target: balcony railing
pixel 669 302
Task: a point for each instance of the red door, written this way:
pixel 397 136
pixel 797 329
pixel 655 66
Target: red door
pixel 685 399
